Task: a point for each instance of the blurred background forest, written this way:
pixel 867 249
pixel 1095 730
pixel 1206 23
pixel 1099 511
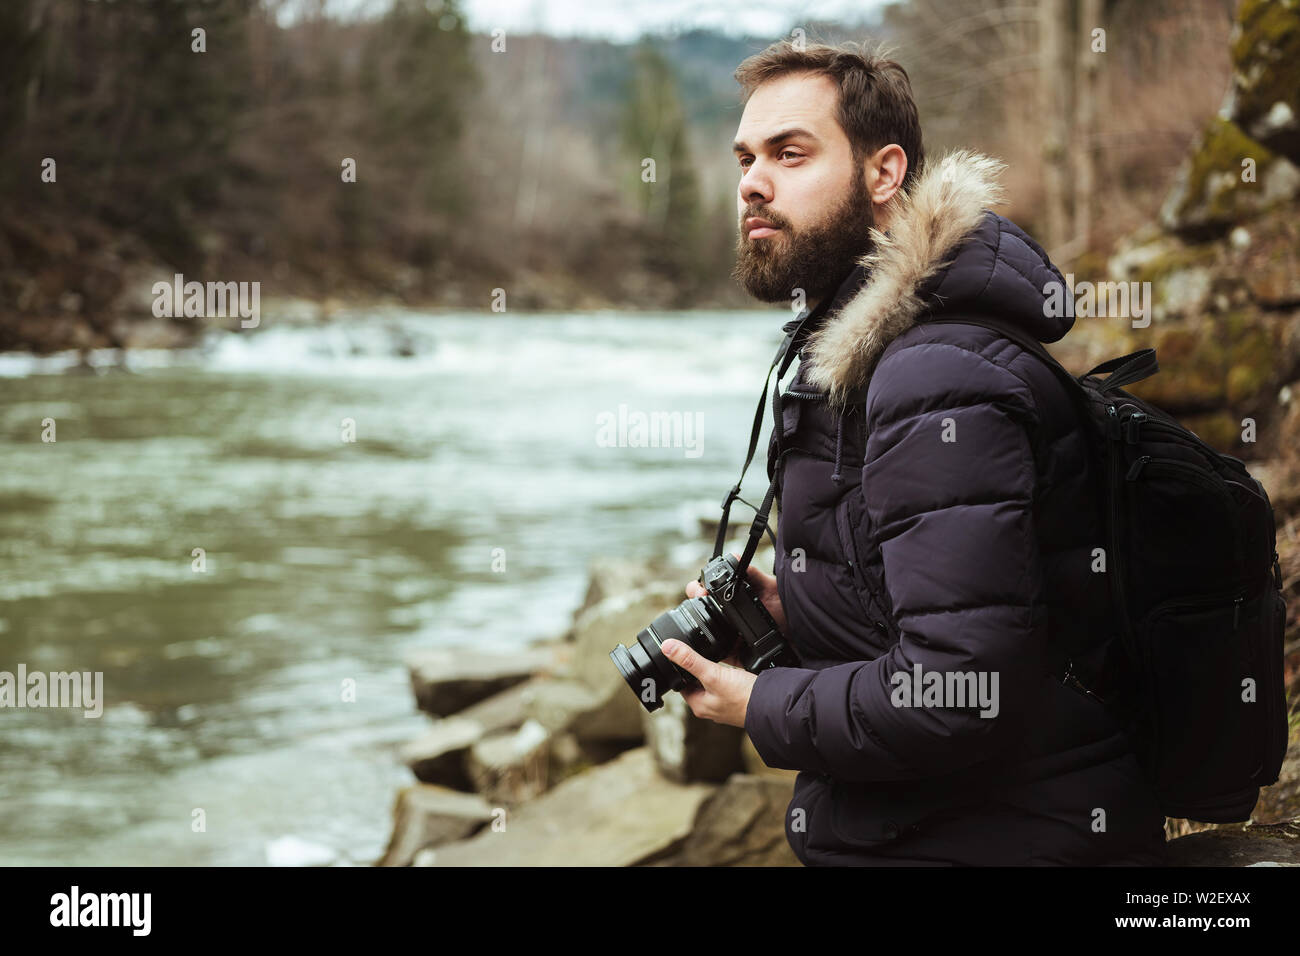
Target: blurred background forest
pixel 517 168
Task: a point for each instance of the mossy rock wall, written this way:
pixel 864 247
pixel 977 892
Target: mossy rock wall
pixel 1224 264
pixel 1265 96
pixel 1248 157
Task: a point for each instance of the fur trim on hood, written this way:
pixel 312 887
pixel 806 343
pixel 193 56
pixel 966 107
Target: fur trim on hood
pixel 944 206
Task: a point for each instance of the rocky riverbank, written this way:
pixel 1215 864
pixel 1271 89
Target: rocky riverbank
pixel 544 758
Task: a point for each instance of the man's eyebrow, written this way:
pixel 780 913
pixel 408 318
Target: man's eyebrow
pixel 739 147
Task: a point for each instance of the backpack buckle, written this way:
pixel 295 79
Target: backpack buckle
pixel 1114 431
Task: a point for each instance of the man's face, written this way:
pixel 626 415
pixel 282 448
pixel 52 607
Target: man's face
pixel 803 208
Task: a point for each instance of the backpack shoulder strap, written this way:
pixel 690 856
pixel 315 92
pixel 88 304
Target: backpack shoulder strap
pixel 1124 369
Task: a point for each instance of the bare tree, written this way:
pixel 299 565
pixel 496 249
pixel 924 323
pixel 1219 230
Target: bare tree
pixel 1055 70
pixel 1087 77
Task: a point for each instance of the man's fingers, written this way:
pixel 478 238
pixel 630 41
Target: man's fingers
pixel 689 660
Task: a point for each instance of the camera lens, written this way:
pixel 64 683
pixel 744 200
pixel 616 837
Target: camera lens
pixel 696 622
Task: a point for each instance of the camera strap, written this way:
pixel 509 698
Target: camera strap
pixel 780 364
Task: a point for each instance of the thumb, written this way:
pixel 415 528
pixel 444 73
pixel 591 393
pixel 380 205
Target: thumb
pixel 690 660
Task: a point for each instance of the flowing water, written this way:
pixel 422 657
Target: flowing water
pixel 253 692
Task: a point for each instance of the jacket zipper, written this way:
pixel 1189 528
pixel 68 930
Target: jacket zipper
pixel 860 575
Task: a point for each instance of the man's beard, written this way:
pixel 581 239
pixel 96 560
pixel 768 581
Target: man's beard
pixel 815 259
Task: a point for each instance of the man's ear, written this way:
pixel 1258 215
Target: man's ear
pixel 885 170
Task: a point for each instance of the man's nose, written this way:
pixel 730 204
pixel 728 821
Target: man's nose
pixel 755 186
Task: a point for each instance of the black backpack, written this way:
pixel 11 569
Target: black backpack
pixel 1196 673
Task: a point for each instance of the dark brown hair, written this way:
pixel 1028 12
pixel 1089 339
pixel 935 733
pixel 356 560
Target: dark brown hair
pixel 876 106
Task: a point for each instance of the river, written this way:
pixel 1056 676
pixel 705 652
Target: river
pixel 254 692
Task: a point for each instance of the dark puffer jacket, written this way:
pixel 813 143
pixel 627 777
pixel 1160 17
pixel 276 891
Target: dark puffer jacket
pixel 938 514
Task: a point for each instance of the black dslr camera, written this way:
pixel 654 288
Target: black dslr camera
pixel 730 618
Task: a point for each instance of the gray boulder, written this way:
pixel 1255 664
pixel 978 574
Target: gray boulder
pixel 511 767
pixel 572 718
pixel 607 577
pixel 562 705
pixel 438 755
pixel 1275 844
pixel 559 704
pixel 504 710
pixel 447 680
pixel 621 813
pixel 589 714
pixel 742 824
pixel 429 816
pixel 615 620
pixel 687 748
pixel 1280 802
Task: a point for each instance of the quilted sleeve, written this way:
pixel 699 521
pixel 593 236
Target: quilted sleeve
pixel 948 486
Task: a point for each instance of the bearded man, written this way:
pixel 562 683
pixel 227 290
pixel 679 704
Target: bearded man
pixel 937 506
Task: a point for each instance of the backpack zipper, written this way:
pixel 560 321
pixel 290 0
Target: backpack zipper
pixel 1197 474
pixel 1161 423
pixel 1237 596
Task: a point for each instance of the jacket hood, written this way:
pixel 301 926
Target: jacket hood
pixel 945 252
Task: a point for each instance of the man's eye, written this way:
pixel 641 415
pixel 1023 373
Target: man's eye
pixel 747 161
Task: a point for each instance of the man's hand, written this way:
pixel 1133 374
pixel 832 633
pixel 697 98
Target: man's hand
pixel 723 694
